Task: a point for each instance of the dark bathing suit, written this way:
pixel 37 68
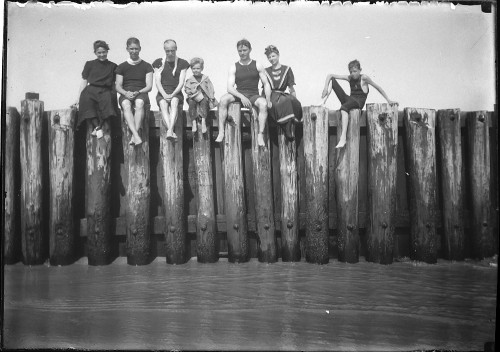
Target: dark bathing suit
pixel 247 81
pixel 356 100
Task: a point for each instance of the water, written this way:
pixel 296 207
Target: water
pixel 251 306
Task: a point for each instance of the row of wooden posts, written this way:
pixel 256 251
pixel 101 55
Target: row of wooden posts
pixel 421 146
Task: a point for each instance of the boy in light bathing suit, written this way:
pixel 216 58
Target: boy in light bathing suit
pixel 359 92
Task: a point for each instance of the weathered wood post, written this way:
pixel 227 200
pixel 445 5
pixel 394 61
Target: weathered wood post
pixel 173 188
pixel 382 135
pixel 11 244
pixel 316 191
pixel 34 246
pixel 263 190
pixel 98 196
pixel 450 152
pixel 206 248
pixel 483 238
pixel 138 192
pixel 290 249
pixel 236 212
pixel 420 160
pixel 346 190
pixel 61 159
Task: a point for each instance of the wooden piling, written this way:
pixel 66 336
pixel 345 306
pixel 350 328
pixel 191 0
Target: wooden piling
pixel 263 191
pixel 420 162
pixel 450 156
pixel 34 246
pixel 98 196
pixel 136 159
pixel 316 190
pixel 173 196
pixel 290 249
pixel 382 138
pixel 235 207
pixel 206 231
pixel 483 238
pixel 12 231
pixel 61 161
pixel 346 184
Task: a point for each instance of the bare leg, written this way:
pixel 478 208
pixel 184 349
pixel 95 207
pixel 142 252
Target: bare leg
pixel 129 117
pixel 262 106
pixel 203 125
pixel 345 122
pixel 166 117
pixel 139 115
pixel 225 100
pixel 174 104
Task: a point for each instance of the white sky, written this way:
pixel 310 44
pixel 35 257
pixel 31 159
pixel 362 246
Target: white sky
pixel 429 56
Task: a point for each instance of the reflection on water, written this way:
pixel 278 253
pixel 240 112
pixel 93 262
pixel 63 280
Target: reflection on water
pixel 259 306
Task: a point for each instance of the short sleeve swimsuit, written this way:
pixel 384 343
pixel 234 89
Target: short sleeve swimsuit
pixel 134 78
pixel 98 98
pixel 284 105
pixel 170 78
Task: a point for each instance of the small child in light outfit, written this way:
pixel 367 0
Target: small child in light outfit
pixel 359 92
pixel 200 92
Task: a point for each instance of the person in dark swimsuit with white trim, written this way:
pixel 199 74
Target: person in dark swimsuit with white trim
pixel 359 92
pixel 243 86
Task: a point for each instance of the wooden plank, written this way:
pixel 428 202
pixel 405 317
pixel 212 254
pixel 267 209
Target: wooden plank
pixel 235 207
pixel 173 188
pixel 421 170
pixel 263 191
pixel 346 182
pixel 206 230
pixel 137 188
pixel 34 246
pixel 483 238
pixel 11 242
pixel 316 191
pixel 382 170
pixel 61 161
pixel 98 196
pixel 450 161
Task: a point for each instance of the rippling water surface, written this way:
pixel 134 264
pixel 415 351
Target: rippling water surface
pixel 258 306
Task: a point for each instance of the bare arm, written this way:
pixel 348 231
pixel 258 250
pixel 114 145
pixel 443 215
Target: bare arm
pixel 119 85
pixel 182 79
pixel 265 82
pixel 292 91
pixel 149 83
pixel 158 83
pixel 83 84
pixel 379 88
pixel 327 87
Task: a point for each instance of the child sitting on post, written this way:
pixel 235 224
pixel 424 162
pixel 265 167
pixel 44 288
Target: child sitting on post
pixel 200 92
pixel 359 92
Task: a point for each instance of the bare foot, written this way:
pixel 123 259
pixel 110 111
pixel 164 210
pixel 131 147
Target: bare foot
pixel 195 126
pixel 260 140
pixel 220 137
pixel 341 143
pixel 174 136
pixel 169 134
pixel 131 141
pixel 137 140
pixel 203 126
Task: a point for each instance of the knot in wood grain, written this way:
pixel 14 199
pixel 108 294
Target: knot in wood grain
pixel 428 226
pixel 229 118
pixel 384 225
pixel 350 227
pixel 266 226
pixel 485 224
pixel 382 116
pixel 57 119
pixel 172 228
pixel 318 227
pixel 452 117
pixel 481 118
pixel 236 226
pixel 289 224
pixel 204 227
pixel 415 116
pixel 313 117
